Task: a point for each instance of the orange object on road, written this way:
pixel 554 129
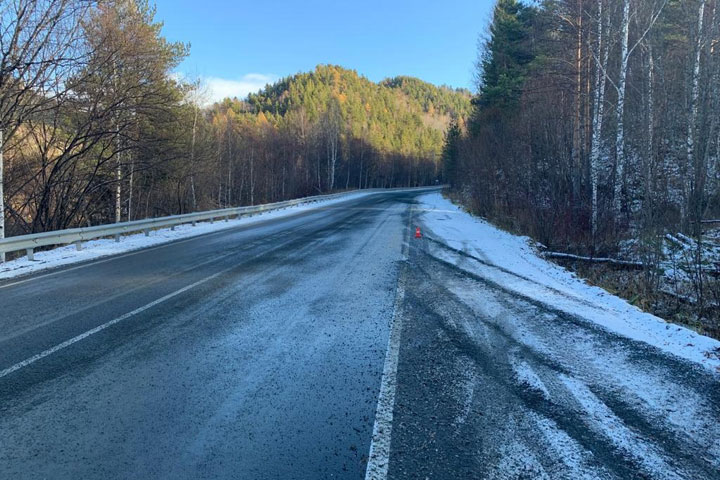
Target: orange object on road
pixel 417 232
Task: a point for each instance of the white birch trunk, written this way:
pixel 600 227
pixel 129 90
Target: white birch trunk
pixel 218 157
pixel 130 191
pixel 651 123
pixel 118 171
pixel 2 192
pixel 577 129
pixel 192 161
pixel 712 163
pixel 228 187
pixel 347 179
pixel 620 112
pixel 252 177
pixel 333 160
pixel 118 191
pixel 242 183
pixel 694 96
pixel 228 190
pixel 651 99
pixel 602 53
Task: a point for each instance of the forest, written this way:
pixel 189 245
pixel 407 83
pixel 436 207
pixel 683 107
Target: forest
pixel 96 127
pixel 595 131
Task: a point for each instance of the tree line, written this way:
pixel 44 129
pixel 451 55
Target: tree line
pixel 596 123
pixel 96 128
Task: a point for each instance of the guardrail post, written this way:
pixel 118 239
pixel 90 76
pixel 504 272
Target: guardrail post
pixel 172 228
pixel 146 232
pixel 227 219
pixel 212 220
pixel 30 254
pixel 194 223
pixel 117 238
pixel 78 246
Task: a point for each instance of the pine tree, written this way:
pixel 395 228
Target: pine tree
pixel 450 155
pixel 507 56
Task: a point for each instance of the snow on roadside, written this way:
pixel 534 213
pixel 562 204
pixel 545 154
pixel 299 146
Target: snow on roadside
pixel 551 284
pixel 527 376
pixel 603 420
pixel 104 247
pixel 568 450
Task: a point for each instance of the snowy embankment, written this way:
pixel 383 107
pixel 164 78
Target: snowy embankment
pixel 104 247
pixel 510 261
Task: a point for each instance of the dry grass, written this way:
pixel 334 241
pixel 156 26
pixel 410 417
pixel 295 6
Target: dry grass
pixel 630 285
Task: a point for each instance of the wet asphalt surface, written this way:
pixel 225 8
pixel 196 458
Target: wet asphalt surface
pixel 272 368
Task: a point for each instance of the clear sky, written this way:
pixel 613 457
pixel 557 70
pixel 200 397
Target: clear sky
pixel 238 46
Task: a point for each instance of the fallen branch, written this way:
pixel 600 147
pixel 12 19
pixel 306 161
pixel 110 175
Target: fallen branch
pixel 676 241
pixel 611 261
pixel 688 299
pixel 678 296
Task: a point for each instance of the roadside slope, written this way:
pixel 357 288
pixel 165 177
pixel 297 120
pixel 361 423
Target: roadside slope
pixel 509 260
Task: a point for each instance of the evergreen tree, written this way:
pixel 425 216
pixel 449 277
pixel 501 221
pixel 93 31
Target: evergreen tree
pixel 451 154
pixel 507 56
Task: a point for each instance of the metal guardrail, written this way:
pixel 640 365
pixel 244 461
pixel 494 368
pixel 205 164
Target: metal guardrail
pixel 79 235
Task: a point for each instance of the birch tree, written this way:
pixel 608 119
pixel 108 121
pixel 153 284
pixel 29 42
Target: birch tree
pixel 620 109
pixel 601 55
pixel 692 185
pixel 331 129
pixel 129 73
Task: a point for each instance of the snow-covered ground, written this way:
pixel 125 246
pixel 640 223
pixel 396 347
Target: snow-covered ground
pixel 677 260
pixel 104 247
pixel 511 261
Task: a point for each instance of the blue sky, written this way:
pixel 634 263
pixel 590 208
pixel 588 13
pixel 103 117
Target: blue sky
pixel 239 46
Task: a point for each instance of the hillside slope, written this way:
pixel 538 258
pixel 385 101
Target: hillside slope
pixel 402 115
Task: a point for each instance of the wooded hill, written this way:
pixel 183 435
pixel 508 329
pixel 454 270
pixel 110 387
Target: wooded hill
pixel 332 128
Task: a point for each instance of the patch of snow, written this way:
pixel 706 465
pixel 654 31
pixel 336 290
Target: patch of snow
pixel 104 247
pixel 523 271
pixel 487 306
pixel 684 410
pixel 518 461
pixel 467 381
pixel 570 452
pixel 602 419
pixel 527 376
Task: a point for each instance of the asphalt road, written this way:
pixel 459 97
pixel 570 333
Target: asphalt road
pixel 492 384
pixel 259 352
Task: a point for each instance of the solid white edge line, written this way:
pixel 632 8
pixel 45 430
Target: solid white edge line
pixel 379 456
